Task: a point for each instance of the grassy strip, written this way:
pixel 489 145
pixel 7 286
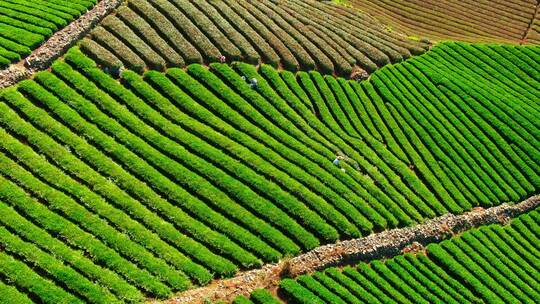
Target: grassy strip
pixel 348 283
pixel 26 26
pixel 425 285
pixel 359 184
pixel 438 144
pixel 226 110
pixel 167 30
pixel 182 23
pixel 58 21
pixel 455 140
pixel 480 128
pixel 331 283
pixel 298 293
pixel 21 36
pixel 179 98
pixel 366 167
pixel 465 133
pixel 39 5
pixel 319 289
pixel 103 56
pixel 209 29
pixel 30 19
pixel 317 49
pixel 130 59
pixel 285 112
pixel 341 184
pixel 262 296
pixel 247 51
pixel 200 130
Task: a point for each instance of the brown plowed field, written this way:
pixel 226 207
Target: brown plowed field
pixel 472 20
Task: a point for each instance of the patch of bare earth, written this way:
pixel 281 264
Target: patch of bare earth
pixel 42 57
pixel 376 246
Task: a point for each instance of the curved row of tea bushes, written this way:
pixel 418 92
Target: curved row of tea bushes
pixel 156 34
pixel 154 183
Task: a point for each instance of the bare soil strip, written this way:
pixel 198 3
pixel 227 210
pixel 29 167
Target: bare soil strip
pixel 376 246
pixel 42 57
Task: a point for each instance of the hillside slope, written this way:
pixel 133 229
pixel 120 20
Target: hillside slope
pixel 472 21
pixel 492 264
pixel 119 190
pixel 295 35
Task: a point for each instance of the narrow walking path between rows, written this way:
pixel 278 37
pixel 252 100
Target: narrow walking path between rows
pixel 42 57
pixel 376 246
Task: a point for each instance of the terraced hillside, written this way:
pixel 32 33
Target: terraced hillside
pixel 473 21
pixel 117 190
pixel 25 24
pixel 295 35
pixel 533 36
pixel 492 264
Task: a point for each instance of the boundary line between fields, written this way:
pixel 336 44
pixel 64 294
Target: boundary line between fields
pixel 42 57
pixel 384 244
pixel 531 24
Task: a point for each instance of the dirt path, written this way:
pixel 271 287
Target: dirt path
pixel 42 57
pixel 379 245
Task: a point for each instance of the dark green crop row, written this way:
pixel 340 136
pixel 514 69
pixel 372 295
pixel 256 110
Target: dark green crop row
pixel 24 24
pixel 491 264
pixel 270 32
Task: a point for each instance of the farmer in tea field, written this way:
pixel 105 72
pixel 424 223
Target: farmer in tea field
pixel 253 83
pixel 337 160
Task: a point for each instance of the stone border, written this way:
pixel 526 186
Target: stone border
pixel 42 57
pixel 375 246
